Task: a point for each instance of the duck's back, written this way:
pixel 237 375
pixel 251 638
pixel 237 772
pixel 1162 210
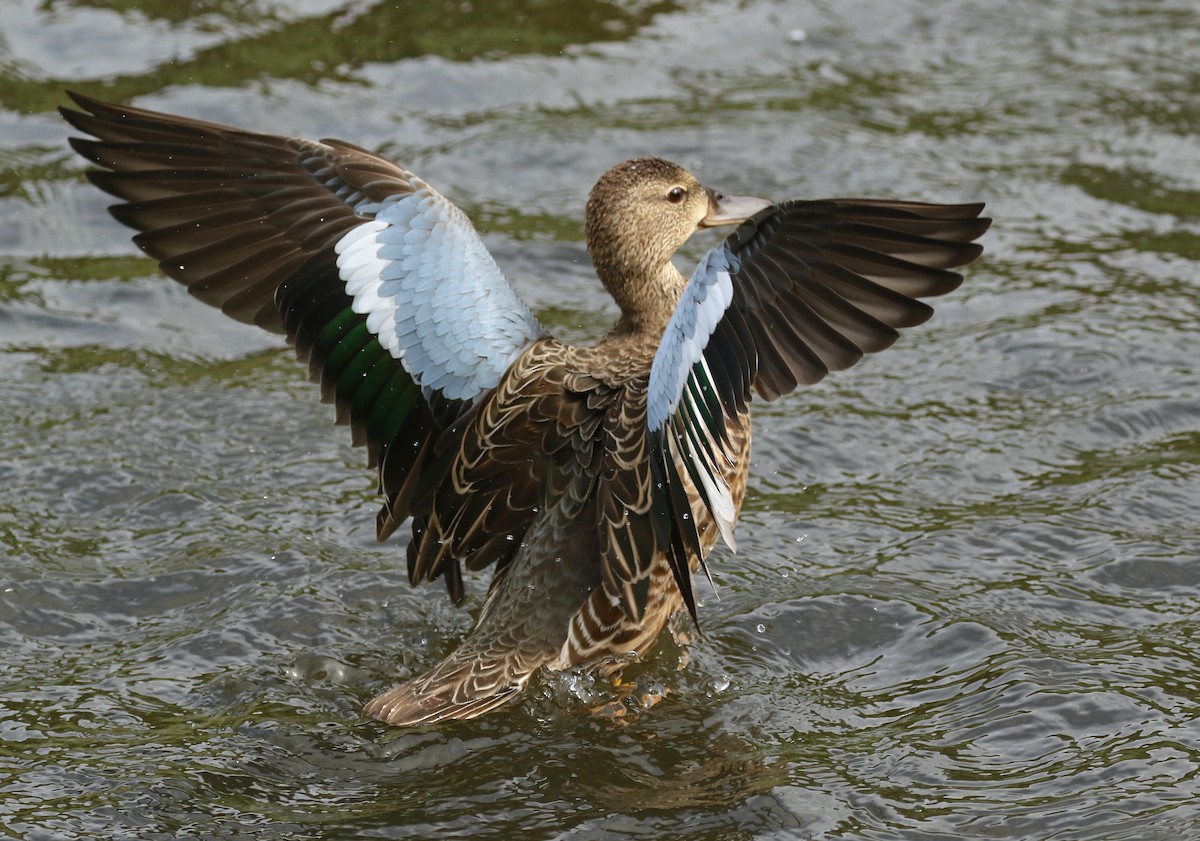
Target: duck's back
pixel 550 480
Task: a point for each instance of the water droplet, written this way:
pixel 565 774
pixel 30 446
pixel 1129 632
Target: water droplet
pixel 761 628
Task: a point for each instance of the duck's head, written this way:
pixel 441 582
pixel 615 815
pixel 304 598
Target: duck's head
pixel 638 215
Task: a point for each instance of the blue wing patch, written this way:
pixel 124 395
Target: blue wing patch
pixel 679 412
pixel 434 296
pixel 702 305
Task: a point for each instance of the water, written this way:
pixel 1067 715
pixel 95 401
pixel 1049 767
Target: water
pixel 965 603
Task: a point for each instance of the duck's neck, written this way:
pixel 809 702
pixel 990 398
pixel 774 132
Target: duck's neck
pixel 647 298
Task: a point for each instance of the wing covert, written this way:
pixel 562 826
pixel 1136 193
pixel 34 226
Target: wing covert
pixel 433 294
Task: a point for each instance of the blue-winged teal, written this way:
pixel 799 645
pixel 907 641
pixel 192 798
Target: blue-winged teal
pixel 595 479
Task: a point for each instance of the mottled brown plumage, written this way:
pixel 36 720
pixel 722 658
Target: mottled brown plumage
pixel 593 513
pixel 557 458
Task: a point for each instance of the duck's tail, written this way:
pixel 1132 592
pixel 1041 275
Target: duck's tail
pixel 460 687
pixel 525 624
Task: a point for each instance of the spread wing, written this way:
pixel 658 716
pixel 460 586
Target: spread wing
pixel 799 290
pixel 382 284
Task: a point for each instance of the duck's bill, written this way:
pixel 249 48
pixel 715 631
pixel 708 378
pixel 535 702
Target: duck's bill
pixel 729 210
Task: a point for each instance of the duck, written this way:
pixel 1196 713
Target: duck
pixel 594 480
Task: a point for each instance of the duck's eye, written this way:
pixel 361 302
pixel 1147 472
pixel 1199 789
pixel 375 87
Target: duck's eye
pixel 676 195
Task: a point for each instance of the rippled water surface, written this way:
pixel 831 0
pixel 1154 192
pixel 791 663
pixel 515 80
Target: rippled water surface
pixel 966 602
